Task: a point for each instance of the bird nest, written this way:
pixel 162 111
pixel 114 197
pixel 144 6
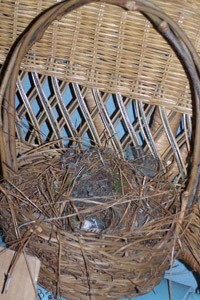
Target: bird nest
pixel 95 220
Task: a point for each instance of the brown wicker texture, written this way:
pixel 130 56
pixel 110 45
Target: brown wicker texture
pixel 127 252
pixel 117 262
pixel 136 61
pixel 192 237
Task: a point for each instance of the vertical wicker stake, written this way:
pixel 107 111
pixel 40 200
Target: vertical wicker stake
pixel 118 242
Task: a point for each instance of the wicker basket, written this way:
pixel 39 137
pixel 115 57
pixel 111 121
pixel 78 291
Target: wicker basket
pixel 109 48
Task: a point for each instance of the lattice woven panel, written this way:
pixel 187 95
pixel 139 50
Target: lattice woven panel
pixel 137 61
pixel 49 109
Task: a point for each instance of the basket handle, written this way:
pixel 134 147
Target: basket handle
pixel 164 24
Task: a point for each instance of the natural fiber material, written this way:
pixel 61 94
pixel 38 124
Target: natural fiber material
pixel 118 241
pixel 93 219
pixel 73 111
pixel 137 61
pixel 191 242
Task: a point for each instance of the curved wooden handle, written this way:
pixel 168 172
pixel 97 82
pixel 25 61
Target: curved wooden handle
pixel 164 24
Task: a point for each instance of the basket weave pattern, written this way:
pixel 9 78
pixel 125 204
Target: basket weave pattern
pixel 136 61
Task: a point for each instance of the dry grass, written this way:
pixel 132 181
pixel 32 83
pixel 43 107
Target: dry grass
pixel 57 194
